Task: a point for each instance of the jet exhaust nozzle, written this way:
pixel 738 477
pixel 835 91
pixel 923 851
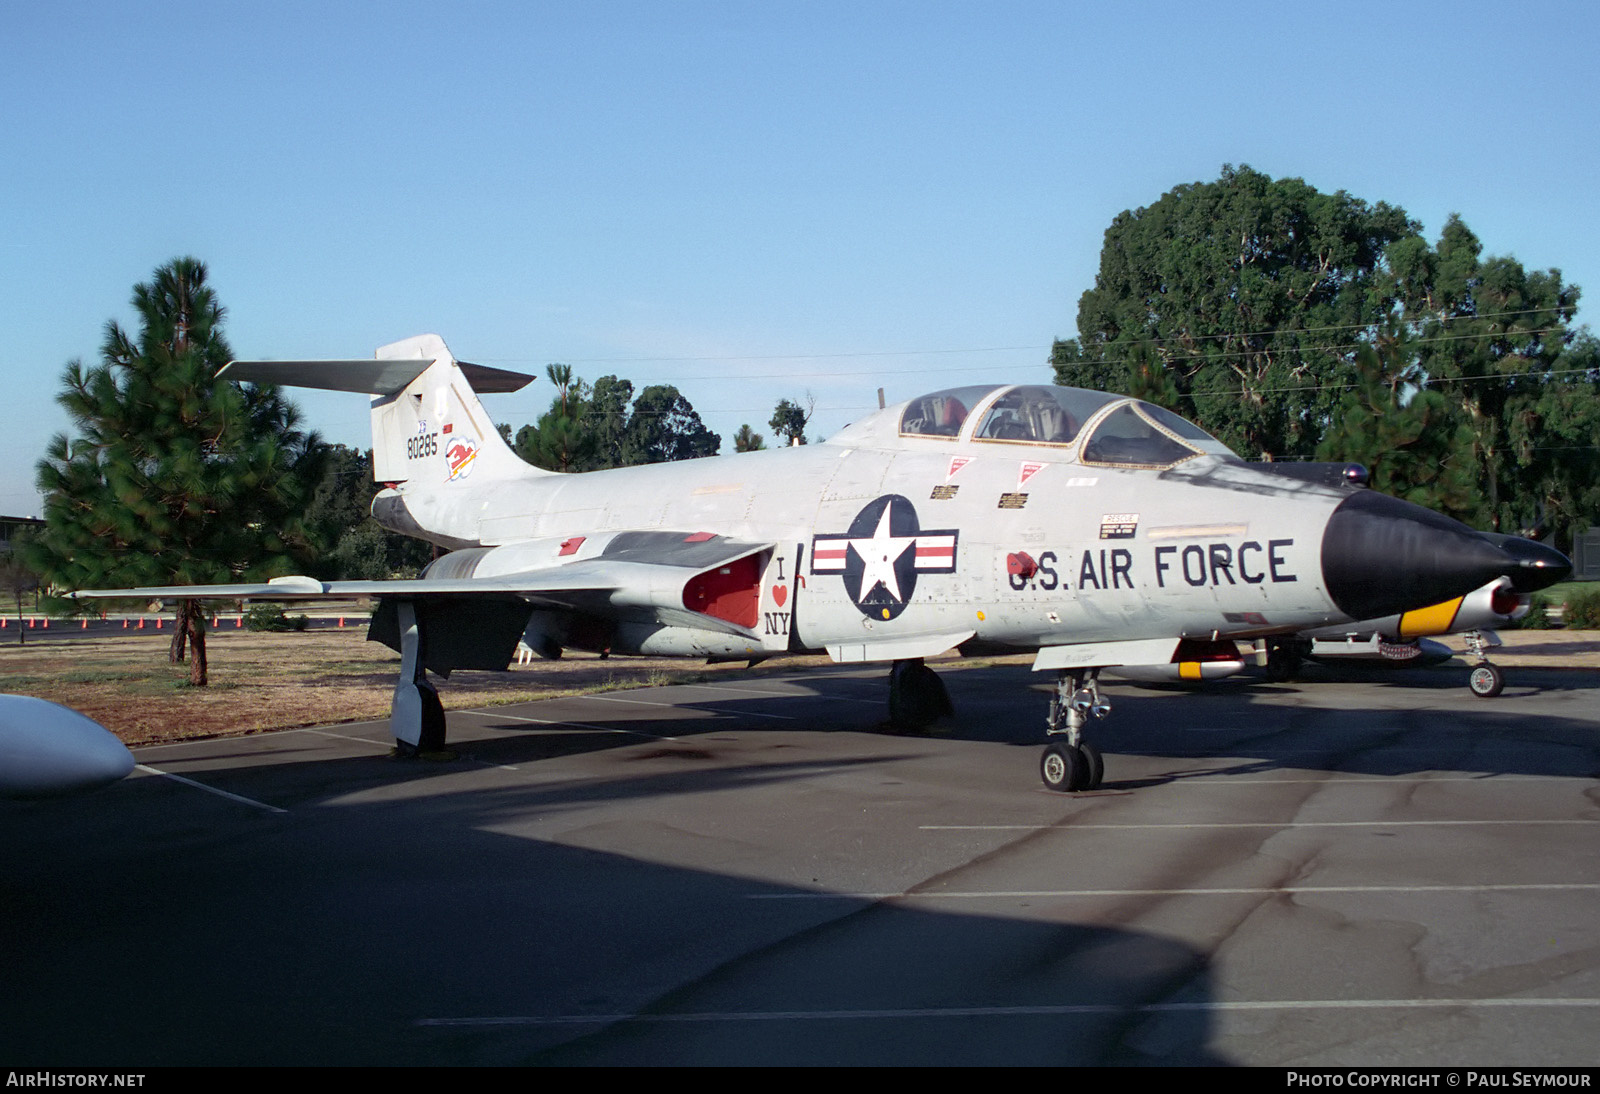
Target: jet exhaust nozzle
pixel 1381 555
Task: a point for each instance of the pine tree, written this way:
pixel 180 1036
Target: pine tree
pixel 562 439
pixel 174 477
pixel 1502 343
pixel 1413 443
pixel 351 545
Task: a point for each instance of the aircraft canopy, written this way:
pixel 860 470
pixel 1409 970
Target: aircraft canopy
pixel 1107 430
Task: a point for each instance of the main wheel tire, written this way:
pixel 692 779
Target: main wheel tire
pixel 1486 681
pixel 1062 768
pixel 1094 766
pixel 433 726
pixel 917 697
pixel 1283 662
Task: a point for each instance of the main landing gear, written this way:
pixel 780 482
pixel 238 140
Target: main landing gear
pixel 417 717
pixel 1284 657
pixel 917 697
pixel 1075 763
pixel 1485 680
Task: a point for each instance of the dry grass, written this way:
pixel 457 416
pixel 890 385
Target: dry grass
pixel 268 681
pixel 262 682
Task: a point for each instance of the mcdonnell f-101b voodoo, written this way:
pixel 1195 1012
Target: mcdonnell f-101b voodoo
pixel 1095 529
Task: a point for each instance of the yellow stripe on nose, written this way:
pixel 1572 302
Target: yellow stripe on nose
pixel 1434 620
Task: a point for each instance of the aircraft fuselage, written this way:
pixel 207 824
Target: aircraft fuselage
pixel 1018 548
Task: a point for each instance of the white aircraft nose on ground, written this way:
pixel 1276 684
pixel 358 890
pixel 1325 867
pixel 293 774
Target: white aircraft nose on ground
pixel 48 749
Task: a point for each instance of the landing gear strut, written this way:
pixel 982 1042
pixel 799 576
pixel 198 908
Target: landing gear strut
pixel 417 717
pixel 1075 763
pixel 917 697
pixel 1485 680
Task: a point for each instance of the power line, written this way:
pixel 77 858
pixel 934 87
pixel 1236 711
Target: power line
pixel 1427 318
pixel 1426 382
pixel 1230 393
pixel 766 356
pixel 1111 361
pixel 999 349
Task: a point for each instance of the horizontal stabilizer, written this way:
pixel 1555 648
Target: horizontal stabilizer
pixel 367 375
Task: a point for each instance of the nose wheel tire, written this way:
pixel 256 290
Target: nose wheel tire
pixel 1486 681
pixel 1066 768
pixel 1060 767
pixel 1094 766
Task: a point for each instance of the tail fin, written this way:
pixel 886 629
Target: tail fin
pixel 427 422
pixel 435 428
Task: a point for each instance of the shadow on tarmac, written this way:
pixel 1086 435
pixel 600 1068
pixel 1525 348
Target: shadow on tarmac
pixel 404 913
pixel 152 925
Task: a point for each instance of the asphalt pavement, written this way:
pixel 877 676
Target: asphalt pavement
pixel 1342 871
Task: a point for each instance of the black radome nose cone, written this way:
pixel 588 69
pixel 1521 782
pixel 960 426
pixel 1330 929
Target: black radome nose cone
pixel 1381 555
pixel 1536 565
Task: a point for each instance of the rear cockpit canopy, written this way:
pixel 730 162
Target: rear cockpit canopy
pixel 1097 429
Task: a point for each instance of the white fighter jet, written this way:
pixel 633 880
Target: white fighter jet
pixel 1095 529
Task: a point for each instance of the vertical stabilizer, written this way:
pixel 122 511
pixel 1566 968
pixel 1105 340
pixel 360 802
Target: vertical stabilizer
pixel 434 431
pixel 428 426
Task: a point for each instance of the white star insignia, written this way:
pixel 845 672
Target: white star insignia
pixel 879 554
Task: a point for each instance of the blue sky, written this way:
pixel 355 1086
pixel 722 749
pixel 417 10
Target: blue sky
pixel 752 201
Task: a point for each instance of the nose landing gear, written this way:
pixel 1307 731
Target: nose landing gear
pixel 1075 763
pixel 1485 680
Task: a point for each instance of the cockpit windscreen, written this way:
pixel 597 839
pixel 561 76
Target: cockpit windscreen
pixel 942 413
pixel 1040 415
pixel 1128 437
